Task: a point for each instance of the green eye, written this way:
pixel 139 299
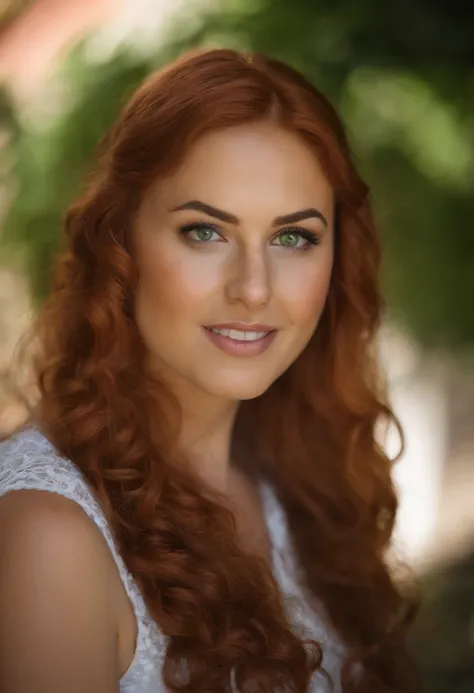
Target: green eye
pixel 296 239
pixel 289 239
pixel 203 234
pixel 200 233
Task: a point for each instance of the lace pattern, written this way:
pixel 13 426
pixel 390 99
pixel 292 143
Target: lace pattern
pixel 303 618
pixel 29 461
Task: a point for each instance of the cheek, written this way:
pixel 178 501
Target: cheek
pixel 173 284
pixel 304 292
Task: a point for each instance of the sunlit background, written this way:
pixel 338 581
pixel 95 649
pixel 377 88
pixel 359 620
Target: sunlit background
pixel 402 75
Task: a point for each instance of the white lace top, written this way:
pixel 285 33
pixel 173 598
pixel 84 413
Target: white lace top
pixel 29 461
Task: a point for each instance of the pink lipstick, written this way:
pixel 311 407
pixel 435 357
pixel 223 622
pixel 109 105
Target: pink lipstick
pixel 241 339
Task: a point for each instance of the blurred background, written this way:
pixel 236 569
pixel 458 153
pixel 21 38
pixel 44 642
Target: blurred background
pixel 401 73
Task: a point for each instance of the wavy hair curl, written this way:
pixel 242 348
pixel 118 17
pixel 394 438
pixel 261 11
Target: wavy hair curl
pixel 312 434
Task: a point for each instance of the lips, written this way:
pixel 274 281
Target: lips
pixel 241 339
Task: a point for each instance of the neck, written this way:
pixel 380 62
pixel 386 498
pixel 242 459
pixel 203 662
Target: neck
pixel 205 436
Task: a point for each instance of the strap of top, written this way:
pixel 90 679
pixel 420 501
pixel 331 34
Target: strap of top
pixel 28 461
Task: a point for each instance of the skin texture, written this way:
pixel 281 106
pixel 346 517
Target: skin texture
pixel 257 173
pixel 243 273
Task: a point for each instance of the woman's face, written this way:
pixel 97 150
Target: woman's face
pixel 230 292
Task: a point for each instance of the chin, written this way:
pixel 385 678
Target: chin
pixel 238 389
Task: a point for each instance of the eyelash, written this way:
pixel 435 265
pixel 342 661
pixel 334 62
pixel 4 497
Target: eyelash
pixel 309 236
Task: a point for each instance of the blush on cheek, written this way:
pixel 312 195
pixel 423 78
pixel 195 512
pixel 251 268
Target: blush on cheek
pixel 307 300
pixel 165 283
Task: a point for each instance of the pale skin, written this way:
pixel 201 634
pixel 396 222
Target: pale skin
pixel 66 620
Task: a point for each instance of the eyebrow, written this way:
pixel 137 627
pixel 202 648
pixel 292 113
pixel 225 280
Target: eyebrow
pixel 310 213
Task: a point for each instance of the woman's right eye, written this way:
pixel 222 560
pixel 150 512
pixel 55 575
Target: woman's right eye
pixel 201 233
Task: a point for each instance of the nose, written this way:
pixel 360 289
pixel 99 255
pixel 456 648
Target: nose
pixel 250 280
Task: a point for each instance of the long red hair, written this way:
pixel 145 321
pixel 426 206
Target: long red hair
pixel 312 434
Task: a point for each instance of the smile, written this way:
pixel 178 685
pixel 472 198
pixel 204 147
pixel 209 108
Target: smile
pixel 239 335
pixel 241 341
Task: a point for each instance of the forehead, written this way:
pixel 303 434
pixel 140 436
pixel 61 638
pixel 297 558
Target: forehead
pixel 248 167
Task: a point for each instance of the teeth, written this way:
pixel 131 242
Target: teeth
pixel 240 335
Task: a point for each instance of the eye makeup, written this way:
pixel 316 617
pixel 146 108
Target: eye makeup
pixel 210 233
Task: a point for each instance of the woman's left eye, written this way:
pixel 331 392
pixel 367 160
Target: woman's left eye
pixel 297 239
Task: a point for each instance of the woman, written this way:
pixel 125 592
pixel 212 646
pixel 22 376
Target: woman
pixel 200 502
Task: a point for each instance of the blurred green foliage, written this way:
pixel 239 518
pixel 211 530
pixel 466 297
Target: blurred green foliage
pixel 400 73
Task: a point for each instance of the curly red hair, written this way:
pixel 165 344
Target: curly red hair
pixel 312 434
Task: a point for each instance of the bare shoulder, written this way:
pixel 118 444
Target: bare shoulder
pixel 39 523
pixel 58 623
